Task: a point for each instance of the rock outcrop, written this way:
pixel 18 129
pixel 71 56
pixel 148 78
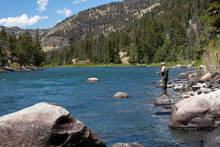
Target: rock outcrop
pixel 45 125
pixel 200 112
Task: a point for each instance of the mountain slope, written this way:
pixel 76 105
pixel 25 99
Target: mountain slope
pixel 18 31
pixel 100 20
pixel 176 30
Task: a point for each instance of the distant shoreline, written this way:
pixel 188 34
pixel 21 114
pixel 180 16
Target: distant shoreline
pixel 169 64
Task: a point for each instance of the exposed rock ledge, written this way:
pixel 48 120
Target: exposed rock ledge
pixel 45 125
pixel 23 68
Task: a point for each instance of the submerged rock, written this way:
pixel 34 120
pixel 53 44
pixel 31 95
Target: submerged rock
pixel 134 144
pixel 163 100
pixel 45 125
pixel 201 112
pixel 212 140
pixel 121 95
pixel 163 112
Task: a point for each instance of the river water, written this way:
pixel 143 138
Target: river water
pixel 127 120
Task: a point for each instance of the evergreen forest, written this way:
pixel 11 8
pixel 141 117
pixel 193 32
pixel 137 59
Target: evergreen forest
pixel 22 50
pixel 176 30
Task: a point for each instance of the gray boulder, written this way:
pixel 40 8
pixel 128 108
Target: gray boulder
pixel 121 95
pixel 134 144
pixel 45 125
pixel 201 112
pixel 163 100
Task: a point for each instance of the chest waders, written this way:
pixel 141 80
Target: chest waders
pixel 164 81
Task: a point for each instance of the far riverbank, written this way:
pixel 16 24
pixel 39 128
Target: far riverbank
pixel 197 63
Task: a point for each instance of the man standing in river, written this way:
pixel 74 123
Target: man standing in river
pixel 164 72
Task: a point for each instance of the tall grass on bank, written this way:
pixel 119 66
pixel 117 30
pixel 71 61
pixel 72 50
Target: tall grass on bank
pixel 212 56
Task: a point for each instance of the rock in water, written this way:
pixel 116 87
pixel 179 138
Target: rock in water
pixel 212 140
pixel 163 100
pixel 121 95
pixel 134 144
pixel 180 66
pixel 45 125
pixel 201 112
pixel 92 80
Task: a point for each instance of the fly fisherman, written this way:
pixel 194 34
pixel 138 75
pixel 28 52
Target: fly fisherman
pixel 164 72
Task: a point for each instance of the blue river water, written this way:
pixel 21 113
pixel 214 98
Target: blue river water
pixel 126 120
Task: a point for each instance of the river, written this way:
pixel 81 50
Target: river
pixel 127 120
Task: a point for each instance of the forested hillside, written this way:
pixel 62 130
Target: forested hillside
pixel 23 50
pixel 175 30
pixel 92 22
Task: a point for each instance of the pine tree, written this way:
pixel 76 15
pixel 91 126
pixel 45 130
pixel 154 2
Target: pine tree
pixel 37 55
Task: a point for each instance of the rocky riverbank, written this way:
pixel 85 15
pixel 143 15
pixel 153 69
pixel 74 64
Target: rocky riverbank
pixel 197 105
pixel 22 68
pixel 195 83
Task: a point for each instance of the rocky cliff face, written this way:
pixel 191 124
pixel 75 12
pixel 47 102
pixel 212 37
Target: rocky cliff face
pixel 100 20
pixel 18 31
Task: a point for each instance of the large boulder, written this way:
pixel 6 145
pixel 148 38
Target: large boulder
pixel 201 112
pixel 212 140
pixel 45 125
pixel 163 100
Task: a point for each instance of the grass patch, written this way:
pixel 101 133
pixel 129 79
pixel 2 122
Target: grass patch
pixel 170 64
pixel 89 65
pixel 15 65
